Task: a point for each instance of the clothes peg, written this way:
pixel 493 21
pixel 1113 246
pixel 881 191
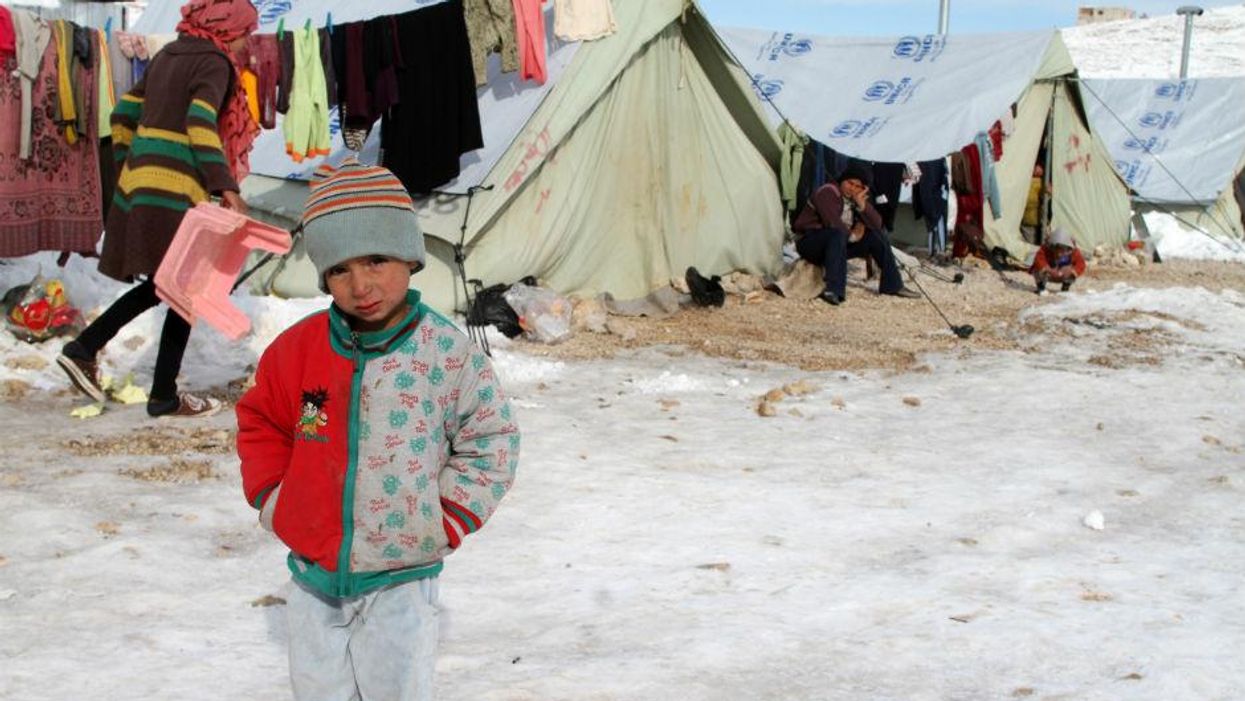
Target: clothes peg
pixel 328 22
pixel 280 28
pixel 307 25
pixel 108 29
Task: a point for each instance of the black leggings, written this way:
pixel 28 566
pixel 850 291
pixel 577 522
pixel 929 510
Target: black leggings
pixel 173 338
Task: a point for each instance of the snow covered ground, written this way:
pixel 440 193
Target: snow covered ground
pixel 1150 47
pixel 910 536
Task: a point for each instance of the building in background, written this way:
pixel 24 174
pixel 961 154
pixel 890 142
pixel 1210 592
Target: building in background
pixel 1088 14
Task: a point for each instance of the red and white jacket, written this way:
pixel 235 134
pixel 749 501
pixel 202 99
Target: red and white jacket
pixel 381 450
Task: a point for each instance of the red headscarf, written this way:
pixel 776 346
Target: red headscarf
pixel 222 21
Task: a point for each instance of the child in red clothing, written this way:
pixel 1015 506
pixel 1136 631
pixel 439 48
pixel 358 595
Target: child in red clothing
pixel 1058 260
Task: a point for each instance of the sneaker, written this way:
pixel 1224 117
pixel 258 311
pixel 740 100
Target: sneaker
pixel 186 406
pixel 1065 287
pixel 1041 287
pixel 904 292
pixel 84 374
pixel 831 298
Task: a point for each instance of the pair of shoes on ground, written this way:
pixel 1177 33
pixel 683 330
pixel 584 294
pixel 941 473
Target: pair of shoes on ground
pixel 84 374
pixel 833 298
pixel 1063 287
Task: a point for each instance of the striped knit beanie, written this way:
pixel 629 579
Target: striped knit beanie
pixel 358 210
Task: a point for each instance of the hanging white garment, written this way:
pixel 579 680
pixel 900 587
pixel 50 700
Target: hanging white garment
pixel 583 20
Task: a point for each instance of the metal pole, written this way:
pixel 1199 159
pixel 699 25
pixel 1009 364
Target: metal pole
pixel 1189 12
pixel 944 15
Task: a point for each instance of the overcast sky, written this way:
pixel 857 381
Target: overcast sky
pixel 898 17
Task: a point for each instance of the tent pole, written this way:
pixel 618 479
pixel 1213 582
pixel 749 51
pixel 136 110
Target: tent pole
pixel 944 15
pixel 1189 12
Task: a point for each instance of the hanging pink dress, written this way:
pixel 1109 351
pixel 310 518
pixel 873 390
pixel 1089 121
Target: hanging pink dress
pixel 529 23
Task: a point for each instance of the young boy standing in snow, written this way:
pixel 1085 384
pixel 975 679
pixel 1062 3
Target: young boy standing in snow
pixel 375 439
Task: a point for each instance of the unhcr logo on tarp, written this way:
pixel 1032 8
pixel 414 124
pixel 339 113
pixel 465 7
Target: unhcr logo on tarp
pixel 1134 172
pixel 766 88
pixel 1159 120
pixel 917 49
pixel 1176 91
pixel 787 44
pixel 858 128
pixel 271 10
pixel 889 92
pixel 1150 145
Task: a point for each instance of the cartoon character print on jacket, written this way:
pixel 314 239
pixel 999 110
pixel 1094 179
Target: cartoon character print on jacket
pixel 312 416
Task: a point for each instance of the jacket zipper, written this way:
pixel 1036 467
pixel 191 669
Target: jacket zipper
pixel 343 556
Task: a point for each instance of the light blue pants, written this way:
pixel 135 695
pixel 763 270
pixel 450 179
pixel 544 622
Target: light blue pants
pixel 381 646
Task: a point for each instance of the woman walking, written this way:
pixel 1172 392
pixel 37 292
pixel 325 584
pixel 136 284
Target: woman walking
pixel 180 136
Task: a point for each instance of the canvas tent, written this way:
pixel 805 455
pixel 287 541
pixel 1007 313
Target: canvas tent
pixel 916 98
pixel 1179 145
pixel 643 154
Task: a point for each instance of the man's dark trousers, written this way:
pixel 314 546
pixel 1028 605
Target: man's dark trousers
pixel 830 249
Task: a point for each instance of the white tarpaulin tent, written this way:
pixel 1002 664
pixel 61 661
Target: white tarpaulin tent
pixel 920 98
pixel 643 154
pixel 912 98
pixel 1173 141
pixel 1177 144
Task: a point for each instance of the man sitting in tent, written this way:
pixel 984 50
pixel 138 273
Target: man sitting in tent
pixel 839 222
pixel 1058 260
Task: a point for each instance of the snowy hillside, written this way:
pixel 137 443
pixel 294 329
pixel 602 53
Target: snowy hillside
pixel 1150 48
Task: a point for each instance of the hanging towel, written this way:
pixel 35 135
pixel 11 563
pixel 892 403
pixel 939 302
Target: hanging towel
pixel 529 20
pixel 583 20
pixel 306 125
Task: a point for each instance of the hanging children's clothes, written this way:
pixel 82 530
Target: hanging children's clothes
pixel 106 97
pixel 583 20
pixel 285 81
pixel 306 125
pixel 989 182
pixel 529 20
pixel 423 139
pixel 326 64
pixel 50 200
pixel 33 36
pixel 122 71
pixel 381 61
pixel 929 202
pixel 490 29
pixel 66 109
